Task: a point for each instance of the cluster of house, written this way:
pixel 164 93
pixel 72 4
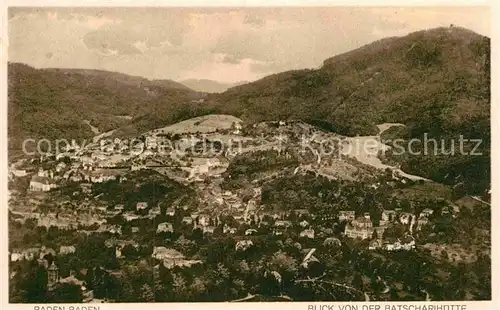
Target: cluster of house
pixel 211 218
pixel 171 258
pixel 64 221
pixel 209 166
pixel 168 257
pixel 39 253
pixel 98 162
pixel 46 258
pixel 54 280
pixel 45 180
pixel 362 227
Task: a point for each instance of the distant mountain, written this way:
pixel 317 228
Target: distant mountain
pixel 209 86
pixel 120 78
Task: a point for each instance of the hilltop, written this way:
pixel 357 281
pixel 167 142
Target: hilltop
pixel 116 77
pixel 61 103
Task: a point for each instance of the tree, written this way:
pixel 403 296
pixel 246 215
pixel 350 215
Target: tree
pixel 357 282
pixel 198 289
pixel 146 293
pixel 185 245
pixel 394 231
pixel 130 251
pixel 179 288
pixel 284 265
pixel 35 284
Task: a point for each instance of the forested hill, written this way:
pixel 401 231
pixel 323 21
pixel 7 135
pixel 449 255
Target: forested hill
pixel 434 81
pixel 54 103
pixel 400 79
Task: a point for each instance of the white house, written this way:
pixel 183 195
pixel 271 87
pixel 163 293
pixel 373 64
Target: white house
pixel 426 212
pixel 154 211
pixel 282 223
pixel 304 224
pixel 67 249
pixel 136 167
pixel 375 244
pixel 165 227
pixel 204 219
pixel 405 218
pixel 19 172
pixel 163 253
pixel 227 229
pixel 141 206
pixel 27 254
pixel 42 184
pixel 347 215
pixel 309 233
pixel 129 216
pixel 151 142
pixel 237 128
pixel 101 176
pixel 60 167
pixel 243 245
pixel 209 229
pixel 170 211
pixel 250 231
pixel 398 245
pixel 42 173
pixel 388 216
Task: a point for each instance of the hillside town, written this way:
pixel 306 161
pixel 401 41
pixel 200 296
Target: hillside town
pixel 68 192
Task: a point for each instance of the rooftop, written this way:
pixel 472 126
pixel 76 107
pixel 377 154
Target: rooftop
pixel 160 250
pixel 363 220
pixel 43 180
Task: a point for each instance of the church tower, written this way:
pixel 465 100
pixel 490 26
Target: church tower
pixel 53 275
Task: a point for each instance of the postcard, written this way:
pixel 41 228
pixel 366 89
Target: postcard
pixel 323 156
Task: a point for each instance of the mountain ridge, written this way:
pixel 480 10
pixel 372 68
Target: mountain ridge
pixel 209 86
pixel 132 80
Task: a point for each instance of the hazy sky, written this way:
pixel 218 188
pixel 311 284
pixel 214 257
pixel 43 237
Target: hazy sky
pixel 221 44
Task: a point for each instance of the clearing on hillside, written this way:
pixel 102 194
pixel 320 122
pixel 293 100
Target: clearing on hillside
pixel 201 124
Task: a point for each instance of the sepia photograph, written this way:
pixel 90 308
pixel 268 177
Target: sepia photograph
pixel 248 154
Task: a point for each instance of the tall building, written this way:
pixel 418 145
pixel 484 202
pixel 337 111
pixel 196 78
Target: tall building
pixel 361 227
pixel 52 275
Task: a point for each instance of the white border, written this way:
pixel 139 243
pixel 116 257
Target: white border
pixel 254 3
pixel 495 127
